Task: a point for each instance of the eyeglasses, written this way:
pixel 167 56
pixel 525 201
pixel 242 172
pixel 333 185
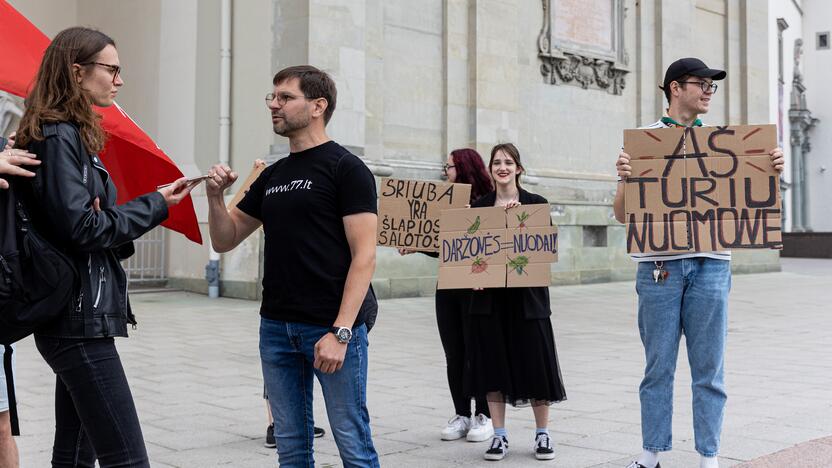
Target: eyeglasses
pixel 446 167
pixel 703 85
pixel 115 70
pixel 283 98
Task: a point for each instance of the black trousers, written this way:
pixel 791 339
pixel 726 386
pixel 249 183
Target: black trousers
pixel 451 318
pixel 95 417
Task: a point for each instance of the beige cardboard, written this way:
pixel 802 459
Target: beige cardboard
pixel 534 275
pixel 482 252
pixel 409 211
pixel 462 248
pixel 718 189
pixel 471 219
pixel 459 277
pixel 528 215
pixel 259 167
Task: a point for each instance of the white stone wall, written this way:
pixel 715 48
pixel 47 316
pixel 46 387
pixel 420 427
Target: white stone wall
pixel 792 15
pixel 818 63
pixel 417 79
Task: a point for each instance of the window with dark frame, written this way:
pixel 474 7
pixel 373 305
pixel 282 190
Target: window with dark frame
pixel 822 40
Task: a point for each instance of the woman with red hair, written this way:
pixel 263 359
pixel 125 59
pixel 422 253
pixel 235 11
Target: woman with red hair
pixel 464 166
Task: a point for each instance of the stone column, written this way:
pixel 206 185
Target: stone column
pixel 496 81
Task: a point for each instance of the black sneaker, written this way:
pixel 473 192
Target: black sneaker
pixel 498 450
pixel 639 465
pixel 319 432
pixel 543 447
pixel 269 437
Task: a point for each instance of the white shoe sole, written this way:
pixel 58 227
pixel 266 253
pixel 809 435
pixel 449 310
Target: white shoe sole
pixel 479 437
pixel 544 456
pixel 452 436
pixel 491 457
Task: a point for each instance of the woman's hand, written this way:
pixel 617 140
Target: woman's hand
pixel 12 159
pixel 512 204
pixel 177 191
pixel 403 251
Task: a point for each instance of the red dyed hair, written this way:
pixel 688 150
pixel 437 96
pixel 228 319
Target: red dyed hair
pixel 471 170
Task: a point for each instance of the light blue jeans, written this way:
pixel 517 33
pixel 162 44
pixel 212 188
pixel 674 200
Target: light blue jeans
pixel 287 356
pixel 4 394
pixel 692 300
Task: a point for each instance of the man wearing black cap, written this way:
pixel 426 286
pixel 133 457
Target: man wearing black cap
pixel 691 298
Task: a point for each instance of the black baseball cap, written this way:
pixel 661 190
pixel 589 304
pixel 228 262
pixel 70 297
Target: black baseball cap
pixel 690 66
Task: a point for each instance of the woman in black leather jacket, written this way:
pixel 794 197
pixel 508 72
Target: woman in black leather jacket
pixel 72 202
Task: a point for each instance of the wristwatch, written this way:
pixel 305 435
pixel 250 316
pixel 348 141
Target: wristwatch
pixel 343 334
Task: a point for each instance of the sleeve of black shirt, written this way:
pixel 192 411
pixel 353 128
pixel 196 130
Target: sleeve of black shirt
pixel 252 201
pixel 356 187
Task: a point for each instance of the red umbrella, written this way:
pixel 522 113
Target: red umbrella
pixel 134 161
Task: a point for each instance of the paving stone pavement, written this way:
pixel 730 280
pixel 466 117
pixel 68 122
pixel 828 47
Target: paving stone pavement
pixel 194 371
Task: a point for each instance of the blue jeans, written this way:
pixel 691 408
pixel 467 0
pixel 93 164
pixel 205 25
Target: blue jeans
pixel 692 300
pixel 287 355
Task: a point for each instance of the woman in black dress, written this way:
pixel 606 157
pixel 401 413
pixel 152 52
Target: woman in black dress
pixel 512 356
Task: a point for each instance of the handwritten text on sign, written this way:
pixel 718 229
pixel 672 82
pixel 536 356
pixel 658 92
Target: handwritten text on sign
pixel 702 189
pixel 494 247
pixel 408 211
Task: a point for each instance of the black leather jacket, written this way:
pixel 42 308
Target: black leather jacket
pixel 60 201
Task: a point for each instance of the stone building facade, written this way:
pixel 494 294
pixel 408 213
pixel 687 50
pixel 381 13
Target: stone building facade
pixel 419 78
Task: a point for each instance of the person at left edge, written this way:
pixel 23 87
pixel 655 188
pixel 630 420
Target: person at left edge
pixel 72 203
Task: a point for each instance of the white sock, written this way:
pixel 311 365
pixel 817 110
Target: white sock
pixel 708 462
pixel 648 459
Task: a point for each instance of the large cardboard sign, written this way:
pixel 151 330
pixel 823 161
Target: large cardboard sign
pixel 496 248
pixel 409 210
pixel 259 167
pixel 702 189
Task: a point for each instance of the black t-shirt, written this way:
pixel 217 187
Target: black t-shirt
pixel 301 200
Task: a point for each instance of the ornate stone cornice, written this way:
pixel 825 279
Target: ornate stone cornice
pixel 582 68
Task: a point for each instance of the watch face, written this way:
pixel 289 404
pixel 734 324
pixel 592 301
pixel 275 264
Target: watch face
pixel 344 334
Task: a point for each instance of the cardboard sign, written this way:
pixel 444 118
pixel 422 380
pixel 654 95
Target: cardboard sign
pixel 259 167
pixel 408 211
pixel 702 189
pixel 496 248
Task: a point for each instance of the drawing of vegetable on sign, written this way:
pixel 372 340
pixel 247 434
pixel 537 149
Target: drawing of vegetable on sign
pixel 518 264
pixel 474 226
pixel 521 218
pixel 479 265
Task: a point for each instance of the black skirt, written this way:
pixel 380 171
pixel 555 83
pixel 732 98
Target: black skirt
pixel 512 359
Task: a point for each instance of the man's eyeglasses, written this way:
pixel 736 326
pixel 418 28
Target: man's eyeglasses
pixel 446 167
pixel 282 98
pixel 703 85
pixel 115 70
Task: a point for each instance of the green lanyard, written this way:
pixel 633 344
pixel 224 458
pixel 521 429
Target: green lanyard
pixel 669 121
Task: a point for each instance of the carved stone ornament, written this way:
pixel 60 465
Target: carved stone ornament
pixel 564 62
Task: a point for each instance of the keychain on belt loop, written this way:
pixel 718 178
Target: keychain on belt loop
pixel 659 273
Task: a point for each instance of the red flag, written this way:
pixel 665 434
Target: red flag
pixel 134 161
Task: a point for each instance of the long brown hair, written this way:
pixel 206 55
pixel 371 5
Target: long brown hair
pixel 511 150
pixel 56 95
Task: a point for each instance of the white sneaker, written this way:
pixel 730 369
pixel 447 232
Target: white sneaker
pixel 498 450
pixel 543 447
pixel 457 428
pixel 481 429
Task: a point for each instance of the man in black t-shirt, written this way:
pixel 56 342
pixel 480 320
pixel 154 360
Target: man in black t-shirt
pixel 318 210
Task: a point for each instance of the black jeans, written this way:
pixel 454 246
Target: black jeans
pixel 95 416
pixel 451 318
